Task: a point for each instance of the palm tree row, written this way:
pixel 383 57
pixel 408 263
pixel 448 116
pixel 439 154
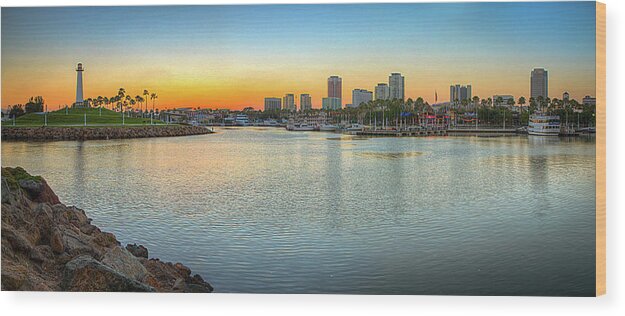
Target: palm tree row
pixel 124 102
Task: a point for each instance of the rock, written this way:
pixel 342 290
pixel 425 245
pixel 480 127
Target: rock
pixel 41 253
pixel 70 133
pixel 48 246
pixel 105 239
pixel 13 276
pixel 6 191
pixel 56 241
pixel 124 262
pixel 32 187
pixel 137 250
pixel 185 271
pixel 85 274
pixel 38 190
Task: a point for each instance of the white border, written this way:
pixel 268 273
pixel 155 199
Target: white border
pixel 237 304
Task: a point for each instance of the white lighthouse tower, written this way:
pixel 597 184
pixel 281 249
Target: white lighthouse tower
pixel 79 99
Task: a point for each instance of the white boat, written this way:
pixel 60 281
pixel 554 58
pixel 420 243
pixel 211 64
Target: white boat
pixel 300 127
pixel 328 127
pixel 270 123
pixel 544 125
pixel 241 120
pixel 355 128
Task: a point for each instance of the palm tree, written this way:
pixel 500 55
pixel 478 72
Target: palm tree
pixel 146 95
pixel 511 102
pixel 138 100
pixel 153 96
pixel 498 101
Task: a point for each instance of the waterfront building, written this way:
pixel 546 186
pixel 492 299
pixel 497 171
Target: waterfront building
pixel 335 88
pixel 360 96
pixel 381 91
pixel 79 96
pixel 305 102
pixel 504 99
pixel 539 83
pixel 331 104
pixel 396 86
pixel 458 92
pixel 288 102
pixel 588 100
pixel 273 104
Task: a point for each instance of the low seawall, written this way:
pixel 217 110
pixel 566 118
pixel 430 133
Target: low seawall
pixel 87 133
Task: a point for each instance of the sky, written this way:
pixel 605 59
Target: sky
pixel 235 56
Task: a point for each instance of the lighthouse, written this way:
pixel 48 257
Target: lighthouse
pixel 79 99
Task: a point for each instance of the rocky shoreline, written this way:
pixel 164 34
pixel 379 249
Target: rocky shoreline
pixel 48 246
pixel 87 133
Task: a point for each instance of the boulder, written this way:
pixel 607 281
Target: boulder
pixel 85 274
pixel 48 246
pixel 123 261
pixel 137 250
pixel 56 241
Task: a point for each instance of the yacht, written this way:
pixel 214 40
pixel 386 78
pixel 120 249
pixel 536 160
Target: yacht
pixel 544 125
pixel 270 123
pixel 355 128
pixel 300 127
pixel 328 128
pixel 241 120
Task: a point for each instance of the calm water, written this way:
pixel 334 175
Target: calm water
pixel 265 210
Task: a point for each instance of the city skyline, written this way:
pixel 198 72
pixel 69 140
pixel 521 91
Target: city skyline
pixel 221 57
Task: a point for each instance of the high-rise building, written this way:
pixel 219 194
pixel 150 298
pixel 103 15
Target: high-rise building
pixel 539 83
pixel 360 96
pixel 79 97
pixel 381 91
pixel 335 88
pixel 273 104
pixel 396 86
pixel 331 104
pixel 565 97
pixel 457 93
pixel 305 102
pixel 288 102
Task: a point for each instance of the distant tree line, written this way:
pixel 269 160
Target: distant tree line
pixel 34 104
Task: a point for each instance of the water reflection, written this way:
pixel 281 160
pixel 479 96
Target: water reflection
pixel 266 210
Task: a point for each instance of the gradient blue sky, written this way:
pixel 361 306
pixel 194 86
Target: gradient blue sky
pixel 234 56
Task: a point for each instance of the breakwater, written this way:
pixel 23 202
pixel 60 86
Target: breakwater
pixel 88 133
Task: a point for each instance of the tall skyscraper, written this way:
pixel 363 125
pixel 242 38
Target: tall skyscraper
pixel 273 104
pixel 360 96
pixel 539 83
pixel 288 102
pixel 79 97
pixel 396 86
pixel 335 88
pixel 381 91
pixel 457 93
pixel 305 102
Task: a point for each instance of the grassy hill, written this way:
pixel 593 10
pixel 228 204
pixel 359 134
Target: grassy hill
pixel 76 117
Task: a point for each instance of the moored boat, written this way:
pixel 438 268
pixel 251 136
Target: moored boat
pixel 327 128
pixel 544 125
pixel 300 127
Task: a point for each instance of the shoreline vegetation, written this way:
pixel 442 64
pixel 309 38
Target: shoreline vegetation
pixel 48 246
